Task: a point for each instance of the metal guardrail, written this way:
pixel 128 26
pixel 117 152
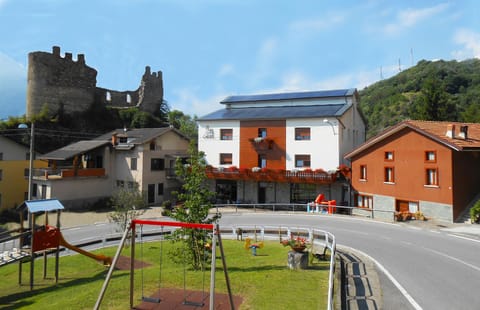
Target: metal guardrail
pixel 297 207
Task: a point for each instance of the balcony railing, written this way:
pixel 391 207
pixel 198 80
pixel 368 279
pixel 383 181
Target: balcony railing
pixel 67 172
pixel 272 175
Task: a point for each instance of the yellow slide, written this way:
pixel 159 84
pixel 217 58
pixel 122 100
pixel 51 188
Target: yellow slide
pixel 107 261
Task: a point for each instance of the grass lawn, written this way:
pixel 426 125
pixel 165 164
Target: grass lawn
pixel 264 281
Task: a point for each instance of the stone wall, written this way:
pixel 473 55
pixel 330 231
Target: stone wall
pixel 63 83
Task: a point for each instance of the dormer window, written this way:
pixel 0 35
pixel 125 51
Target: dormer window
pixel 262 132
pixel 122 139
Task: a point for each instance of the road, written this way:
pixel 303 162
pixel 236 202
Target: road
pixel 437 270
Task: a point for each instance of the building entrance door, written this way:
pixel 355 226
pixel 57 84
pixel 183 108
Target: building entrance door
pixel 151 193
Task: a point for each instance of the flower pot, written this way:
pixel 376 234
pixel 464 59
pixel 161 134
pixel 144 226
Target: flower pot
pixel 298 248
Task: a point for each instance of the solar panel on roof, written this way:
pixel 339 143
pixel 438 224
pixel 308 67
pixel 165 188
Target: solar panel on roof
pixel 277 112
pixel 286 96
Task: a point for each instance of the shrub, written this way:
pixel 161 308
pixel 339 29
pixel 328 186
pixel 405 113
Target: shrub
pixel 475 213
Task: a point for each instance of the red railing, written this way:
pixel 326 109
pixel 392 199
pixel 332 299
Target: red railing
pixel 272 175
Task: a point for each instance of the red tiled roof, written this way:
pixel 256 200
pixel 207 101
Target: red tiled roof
pixel 434 130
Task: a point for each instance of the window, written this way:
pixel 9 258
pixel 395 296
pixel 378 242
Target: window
pixel 1 174
pixel 120 183
pixel 157 164
pixel 43 194
pixel 160 189
pixel 389 175
pixel 262 161
pixel 26 172
pixel 131 185
pixel 225 158
pixel 389 156
pixel 133 163
pixel 34 190
pixel 152 146
pixel 302 133
pixel 430 156
pixel 262 132
pixel 1 156
pixel 364 201
pixel 226 134
pixel 363 172
pixel 302 161
pixel 302 193
pixel 431 177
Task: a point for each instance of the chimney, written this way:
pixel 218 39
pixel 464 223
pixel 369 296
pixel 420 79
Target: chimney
pixel 463 132
pixel 450 131
pixel 114 139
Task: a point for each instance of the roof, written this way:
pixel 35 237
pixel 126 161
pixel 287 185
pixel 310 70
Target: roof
pixel 140 135
pixel 433 130
pixel 291 96
pixel 327 103
pixel 42 205
pixel 277 112
pixel 135 136
pixel 74 149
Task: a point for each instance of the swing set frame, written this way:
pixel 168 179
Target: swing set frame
pixel 132 227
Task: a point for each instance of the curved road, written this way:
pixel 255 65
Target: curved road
pixel 438 270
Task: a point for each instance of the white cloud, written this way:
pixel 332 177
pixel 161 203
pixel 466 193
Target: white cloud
pixel 225 70
pixel 188 101
pixel 471 44
pixel 13 83
pixel 318 24
pixel 410 17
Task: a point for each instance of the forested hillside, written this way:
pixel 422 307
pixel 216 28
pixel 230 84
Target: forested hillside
pixel 431 90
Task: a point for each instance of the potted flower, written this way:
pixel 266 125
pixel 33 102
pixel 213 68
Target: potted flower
pixel 297 244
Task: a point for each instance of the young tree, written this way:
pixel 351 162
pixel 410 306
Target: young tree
pixel 128 204
pixel 196 202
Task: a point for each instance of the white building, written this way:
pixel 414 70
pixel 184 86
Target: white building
pixel 284 147
pixel 86 171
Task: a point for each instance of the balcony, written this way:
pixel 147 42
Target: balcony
pixel 67 172
pixel 272 175
pixel 262 143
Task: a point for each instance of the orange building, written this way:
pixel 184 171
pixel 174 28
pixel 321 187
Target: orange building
pixel 431 167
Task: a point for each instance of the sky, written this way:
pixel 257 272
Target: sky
pixel 211 49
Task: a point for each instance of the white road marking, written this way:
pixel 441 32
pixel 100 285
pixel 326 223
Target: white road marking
pixel 402 290
pixel 464 238
pixel 454 258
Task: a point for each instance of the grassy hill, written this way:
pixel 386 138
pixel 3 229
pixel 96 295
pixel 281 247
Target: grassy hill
pixel 452 87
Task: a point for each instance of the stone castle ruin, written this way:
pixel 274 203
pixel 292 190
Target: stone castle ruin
pixel 71 86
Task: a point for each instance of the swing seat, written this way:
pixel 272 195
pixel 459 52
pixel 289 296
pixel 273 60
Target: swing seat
pixel 193 303
pixel 151 299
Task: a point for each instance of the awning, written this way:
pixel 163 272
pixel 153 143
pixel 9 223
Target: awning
pixel 42 205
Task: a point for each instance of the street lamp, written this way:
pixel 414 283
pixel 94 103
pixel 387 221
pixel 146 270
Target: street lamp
pixel 331 124
pixel 32 155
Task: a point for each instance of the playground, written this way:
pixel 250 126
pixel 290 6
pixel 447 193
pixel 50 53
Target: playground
pixel 256 281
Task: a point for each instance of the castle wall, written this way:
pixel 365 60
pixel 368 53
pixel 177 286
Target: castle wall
pixel 58 82
pixel 63 83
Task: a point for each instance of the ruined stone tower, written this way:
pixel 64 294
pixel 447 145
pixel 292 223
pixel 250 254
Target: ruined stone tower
pixel 70 86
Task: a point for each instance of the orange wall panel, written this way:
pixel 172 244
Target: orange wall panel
pixel 274 148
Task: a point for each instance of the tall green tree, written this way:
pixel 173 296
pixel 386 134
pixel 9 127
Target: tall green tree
pixel 184 122
pixel 433 103
pixel 196 201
